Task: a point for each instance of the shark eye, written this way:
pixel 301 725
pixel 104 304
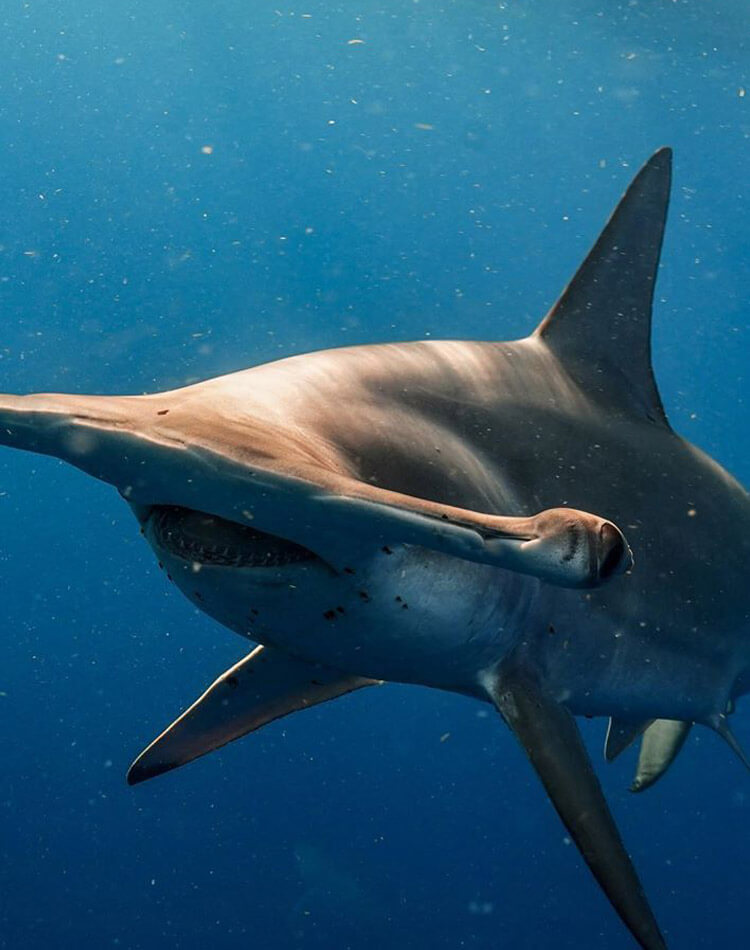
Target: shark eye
pixel 613 552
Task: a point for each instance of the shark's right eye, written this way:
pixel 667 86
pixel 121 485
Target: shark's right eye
pixel 614 556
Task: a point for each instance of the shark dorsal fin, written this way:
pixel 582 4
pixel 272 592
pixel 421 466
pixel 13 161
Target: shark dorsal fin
pixel 600 328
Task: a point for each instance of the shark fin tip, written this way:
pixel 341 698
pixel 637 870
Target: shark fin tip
pixel 140 772
pixel 720 725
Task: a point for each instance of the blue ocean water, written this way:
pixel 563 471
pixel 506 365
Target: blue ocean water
pixel 188 189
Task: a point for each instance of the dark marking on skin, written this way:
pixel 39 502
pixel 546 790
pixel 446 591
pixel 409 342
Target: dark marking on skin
pixel 162 412
pixel 161 566
pixel 316 683
pixel 551 629
pixel 169 577
pixel 404 606
pixel 349 570
pixel 253 611
pixel 399 599
pixel 197 595
pixel 330 614
pixel 574 541
pixel 386 550
pixel 232 681
pixel 340 610
pixel 364 596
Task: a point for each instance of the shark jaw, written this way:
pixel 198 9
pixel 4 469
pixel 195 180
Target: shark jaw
pixel 201 538
pixel 453 514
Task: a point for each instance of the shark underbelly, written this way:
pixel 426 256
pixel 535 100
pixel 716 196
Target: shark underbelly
pixel 403 614
pixel 406 614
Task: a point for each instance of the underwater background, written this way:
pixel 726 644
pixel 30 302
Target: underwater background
pixel 191 188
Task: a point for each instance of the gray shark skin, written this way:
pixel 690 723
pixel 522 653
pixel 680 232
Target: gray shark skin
pixel 452 514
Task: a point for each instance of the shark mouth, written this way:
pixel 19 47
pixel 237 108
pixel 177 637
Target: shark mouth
pixel 202 538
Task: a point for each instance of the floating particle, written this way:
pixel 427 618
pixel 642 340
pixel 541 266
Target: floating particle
pixel 207 149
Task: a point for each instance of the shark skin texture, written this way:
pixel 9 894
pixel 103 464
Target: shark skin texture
pixel 516 522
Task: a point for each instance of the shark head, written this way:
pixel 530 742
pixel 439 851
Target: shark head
pixel 272 502
pixel 513 521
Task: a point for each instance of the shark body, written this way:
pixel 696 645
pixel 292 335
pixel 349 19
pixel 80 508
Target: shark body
pixel 512 521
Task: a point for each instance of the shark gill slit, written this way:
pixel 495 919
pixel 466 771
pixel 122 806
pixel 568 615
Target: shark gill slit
pixel 202 538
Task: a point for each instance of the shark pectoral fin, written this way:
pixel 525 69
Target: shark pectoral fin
pixel 550 737
pixel 620 734
pixel 265 685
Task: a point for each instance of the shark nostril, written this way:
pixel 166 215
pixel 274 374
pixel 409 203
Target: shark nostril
pixel 613 552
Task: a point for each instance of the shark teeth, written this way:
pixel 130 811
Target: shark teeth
pixel 202 538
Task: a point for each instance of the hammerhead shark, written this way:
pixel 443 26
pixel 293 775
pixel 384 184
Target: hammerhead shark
pixel 516 522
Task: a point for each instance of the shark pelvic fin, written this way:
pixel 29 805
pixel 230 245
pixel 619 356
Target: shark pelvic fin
pixel 600 328
pixel 620 734
pixel 660 746
pixel 266 685
pixel 550 737
pixel 719 724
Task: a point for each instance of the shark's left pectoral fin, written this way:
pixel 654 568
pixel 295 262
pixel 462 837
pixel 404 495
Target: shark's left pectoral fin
pixel 550 737
pixel 265 685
